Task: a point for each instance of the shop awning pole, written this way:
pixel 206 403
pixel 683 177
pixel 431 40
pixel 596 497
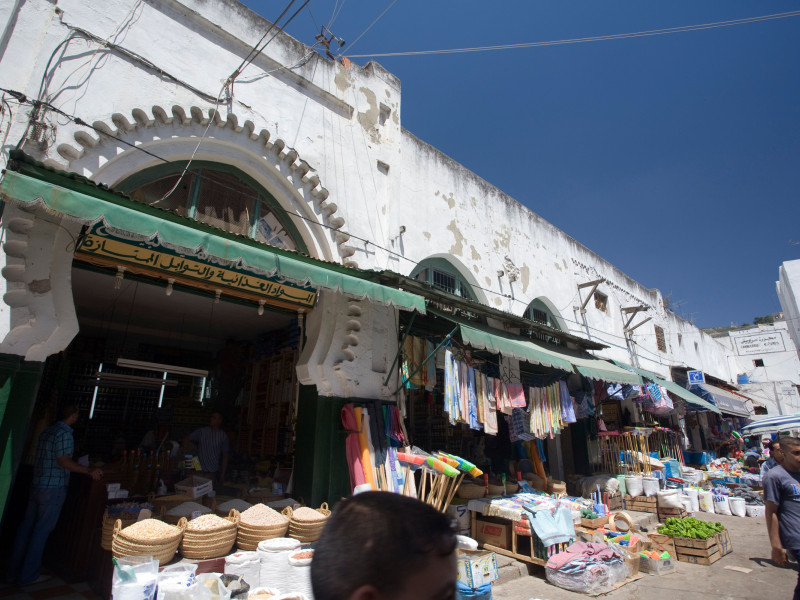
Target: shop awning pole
pixel 400 347
pixel 433 353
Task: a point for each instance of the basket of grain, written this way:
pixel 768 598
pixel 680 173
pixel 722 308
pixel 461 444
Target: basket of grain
pixel 149 537
pixel 306 524
pixel 209 536
pixel 259 523
pixel 107 531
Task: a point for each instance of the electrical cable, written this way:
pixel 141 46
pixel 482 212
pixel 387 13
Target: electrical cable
pixel 380 16
pixel 600 38
pixel 78 121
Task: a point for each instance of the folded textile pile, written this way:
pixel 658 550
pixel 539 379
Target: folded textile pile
pixel 587 568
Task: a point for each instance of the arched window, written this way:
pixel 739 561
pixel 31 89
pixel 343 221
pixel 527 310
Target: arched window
pixel 217 195
pixel 539 312
pixel 442 275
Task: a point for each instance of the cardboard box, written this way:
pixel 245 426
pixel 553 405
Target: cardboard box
pixel 662 543
pixel 661 566
pixel 594 523
pixel 724 542
pixel 494 534
pixel 194 486
pixel 462 518
pixel 477 567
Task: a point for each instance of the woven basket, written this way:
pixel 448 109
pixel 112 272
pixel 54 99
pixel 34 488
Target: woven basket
pixel 309 531
pixel 107 531
pixel 323 511
pixel 470 491
pixel 211 543
pixel 162 549
pixel 248 536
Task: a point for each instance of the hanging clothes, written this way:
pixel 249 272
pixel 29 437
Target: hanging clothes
pixel 430 367
pixel 472 400
pixel 489 407
pixel 361 427
pixel 479 393
pixel 352 446
pixel 567 410
pixel 418 349
pixel 516 395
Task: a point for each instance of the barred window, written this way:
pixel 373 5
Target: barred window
pixel 660 341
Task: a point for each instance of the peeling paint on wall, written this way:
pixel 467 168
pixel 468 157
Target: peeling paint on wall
pixel 476 269
pixel 456 249
pixel 342 80
pixel 557 266
pixel 427 234
pixel 488 281
pixel 498 301
pixel 475 255
pixel 451 201
pixel 369 119
pixel 525 276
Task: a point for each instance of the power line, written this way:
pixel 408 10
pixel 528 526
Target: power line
pixel 584 40
pixel 371 25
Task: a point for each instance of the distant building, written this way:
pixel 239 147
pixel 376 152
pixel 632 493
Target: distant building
pixel 788 288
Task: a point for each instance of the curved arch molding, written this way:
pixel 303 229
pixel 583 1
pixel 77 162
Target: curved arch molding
pixel 174 135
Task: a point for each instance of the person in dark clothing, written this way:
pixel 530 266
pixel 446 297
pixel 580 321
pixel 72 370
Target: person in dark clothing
pixel 380 545
pixel 49 490
pixel 782 500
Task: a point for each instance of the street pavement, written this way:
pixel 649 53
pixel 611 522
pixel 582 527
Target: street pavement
pixel 751 550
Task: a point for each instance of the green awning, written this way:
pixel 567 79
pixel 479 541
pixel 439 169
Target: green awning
pixel 673 388
pixel 500 342
pixel 127 215
pixel 596 368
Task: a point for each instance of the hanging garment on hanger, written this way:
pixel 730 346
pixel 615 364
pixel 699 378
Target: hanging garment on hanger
pixel 479 391
pixel 463 392
pixel 472 400
pixel 352 447
pixel 516 394
pixel 489 408
pixel 518 421
pixel 450 403
pixel 567 410
pixel 430 366
pixel 501 395
pixel 366 460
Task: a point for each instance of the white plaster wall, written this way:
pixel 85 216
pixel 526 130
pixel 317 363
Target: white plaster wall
pixel 778 365
pixel 788 288
pixel 341 134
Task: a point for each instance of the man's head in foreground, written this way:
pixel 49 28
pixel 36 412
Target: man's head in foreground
pixel 384 546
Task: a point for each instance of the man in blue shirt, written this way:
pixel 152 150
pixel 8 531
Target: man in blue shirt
pixel 49 490
pixel 782 500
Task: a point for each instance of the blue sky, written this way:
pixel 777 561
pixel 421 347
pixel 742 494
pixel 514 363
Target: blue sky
pixel 674 157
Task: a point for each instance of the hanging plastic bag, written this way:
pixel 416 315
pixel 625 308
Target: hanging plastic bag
pixel 135 578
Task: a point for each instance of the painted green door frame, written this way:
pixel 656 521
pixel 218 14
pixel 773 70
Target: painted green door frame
pixel 19 385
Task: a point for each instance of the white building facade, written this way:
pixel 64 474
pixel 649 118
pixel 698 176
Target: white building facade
pixel 324 143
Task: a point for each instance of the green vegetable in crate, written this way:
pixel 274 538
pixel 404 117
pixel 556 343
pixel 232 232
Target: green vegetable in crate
pixel 690 527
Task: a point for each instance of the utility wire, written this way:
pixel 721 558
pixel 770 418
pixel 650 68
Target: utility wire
pixel 371 25
pixel 583 40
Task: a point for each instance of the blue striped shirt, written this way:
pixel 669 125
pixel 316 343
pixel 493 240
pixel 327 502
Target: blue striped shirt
pixel 54 442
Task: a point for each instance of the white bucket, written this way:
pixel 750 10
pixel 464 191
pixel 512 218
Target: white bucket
pixel 695 498
pixel 737 506
pixel 755 510
pixel 650 485
pixel 633 484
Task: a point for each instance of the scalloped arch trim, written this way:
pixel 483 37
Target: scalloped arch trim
pixel 275 151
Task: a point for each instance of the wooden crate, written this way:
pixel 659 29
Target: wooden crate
pixel 641 504
pixel 698 552
pixel 594 523
pixel 615 502
pixel 665 513
pixel 724 542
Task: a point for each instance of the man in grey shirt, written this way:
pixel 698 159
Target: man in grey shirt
pixel 782 500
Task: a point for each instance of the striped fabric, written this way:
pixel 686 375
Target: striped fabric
pixel 211 444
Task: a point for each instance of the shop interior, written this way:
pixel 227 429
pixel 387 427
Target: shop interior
pixel 150 363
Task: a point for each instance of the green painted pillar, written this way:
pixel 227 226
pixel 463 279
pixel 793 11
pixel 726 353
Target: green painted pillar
pixel 320 473
pixel 19 385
